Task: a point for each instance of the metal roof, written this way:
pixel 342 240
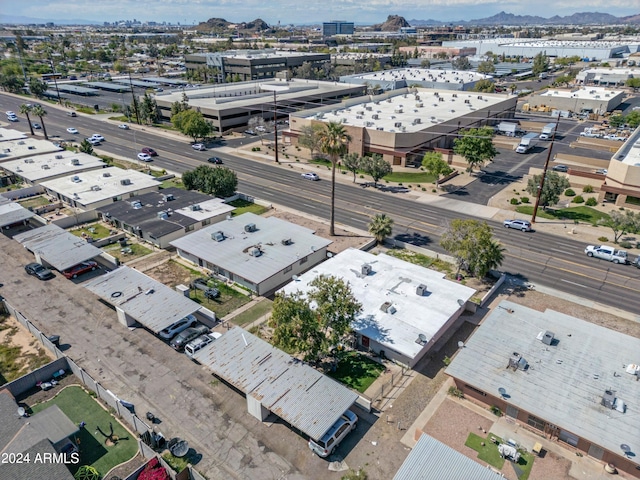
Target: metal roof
pixel 300 395
pixel 232 255
pixel 144 299
pixel 57 247
pixel 11 212
pixel 164 80
pixel 430 458
pixel 565 381
pixel 109 86
pixel 136 83
pixel 77 89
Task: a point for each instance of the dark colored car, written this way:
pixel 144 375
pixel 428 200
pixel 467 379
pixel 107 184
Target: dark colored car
pixel 215 160
pixel 184 337
pixel 37 270
pixel 149 151
pixel 79 269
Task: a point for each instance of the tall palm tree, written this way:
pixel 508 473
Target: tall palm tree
pixel 25 108
pixel 40 112
pixel 333 141
pixel 380 226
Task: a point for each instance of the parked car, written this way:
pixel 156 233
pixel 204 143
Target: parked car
pixel 560 168
pixel 310 176
pixel 199 146
pixel 10 113
pixel 199 343
pixel 123 126
pixel 37 270
pixel 328 443
pixel 523 225
pixel 145 157
pixel 98 137
pixel 215 160
pixel 72 130
pixel 149 151
pixel 261 129
pixel 36 125
pixel 179 341
pixel 602 171
pixel 79 269
pixel 12 118
pixel 250 132
pixel 177 327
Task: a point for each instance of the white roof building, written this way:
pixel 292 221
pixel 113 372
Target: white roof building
pixel 25 147
pixel 423 77
pixel 39 168
pixel 406 308
pixel 597 99
pixel 606 76
pixel 7 134
pixel 96 188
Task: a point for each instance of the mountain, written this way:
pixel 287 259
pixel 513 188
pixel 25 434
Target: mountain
pixel 393 23
pixel 21 20
pixel 503 18
pixel 220 25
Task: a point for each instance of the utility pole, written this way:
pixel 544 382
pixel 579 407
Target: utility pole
pixel 544 171
pixel 55 81
pixel 275 124
pixel 133 96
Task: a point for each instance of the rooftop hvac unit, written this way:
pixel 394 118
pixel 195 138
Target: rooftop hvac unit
pixel 255 252
pixel 467 101
pixel 479 97
pixel 417 121
pixel 380 128
pixel 125 181
pixel 608 399
pixel 397 110
pixel 45 167
pixel 217 236
pixel 387 307
pixel 96 188
pixel 28 160
pixel 106 174
pixel 368 108
pixel 58 157
pixel 286 241
pixel 250 227
pixel 419 104
pixel 455 95
pixel 195 208
pixel 375 116
pixel 21 142
pixel 358 117
pixel 397 124
pixel 137 205
pixel 169 197
pixel 162 215
pixel 517 362
pixel 546 337
pixel 365 269
pixel 31 147
pixel 421 290
pixel 75 179
pixel 368 124
pixel 422 339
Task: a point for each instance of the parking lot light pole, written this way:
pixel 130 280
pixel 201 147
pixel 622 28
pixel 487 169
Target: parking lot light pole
pixel 544 172
pixel 275 89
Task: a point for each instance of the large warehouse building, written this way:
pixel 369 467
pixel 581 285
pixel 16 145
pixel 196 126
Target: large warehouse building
pixel 422 77
pixel 595 99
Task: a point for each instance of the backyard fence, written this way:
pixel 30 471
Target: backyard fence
pixel 387 387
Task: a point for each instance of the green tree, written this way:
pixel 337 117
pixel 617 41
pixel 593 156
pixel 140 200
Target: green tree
pixel 40 112
pixel 633 83
pixel 471 243
pixel 461 63
pixel 621 223
pixel 380 226
pixel 310 137
pixel 334 142
pixel 148 109
pixel 486 67
pixel 616 121
pixel 37 87
pixel 11 83
pixel 192 123
pixel 25 109
pixel 540 63
pixel 476 146
pixel 86 147
pixel 554 185
pixel 295 325
pixel 425 63
pixel 376 167
pixel 485 85
pixel 352 162
pixel 633 119
pixel 435 165
pixel 219 181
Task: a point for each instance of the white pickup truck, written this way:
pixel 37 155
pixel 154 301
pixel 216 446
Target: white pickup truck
pixel 607 253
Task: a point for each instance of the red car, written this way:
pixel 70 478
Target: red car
pixel 79 269
pixel 149 151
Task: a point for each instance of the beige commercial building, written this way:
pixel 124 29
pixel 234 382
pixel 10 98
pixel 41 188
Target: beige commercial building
pixel 622 184
pixel 596 99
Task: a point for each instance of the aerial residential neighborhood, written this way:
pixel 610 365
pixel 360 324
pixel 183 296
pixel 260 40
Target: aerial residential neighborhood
pixel 292 244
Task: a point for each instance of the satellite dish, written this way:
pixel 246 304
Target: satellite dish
pixel 461 302
pixel 178 447
pixel 460 344
pixel 625 448
pixel 502 391
pixel 422 337
pixel 21 411
pixel 294 278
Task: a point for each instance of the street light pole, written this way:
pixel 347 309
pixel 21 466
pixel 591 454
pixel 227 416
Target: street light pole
pixel 544 171
pixel 275 89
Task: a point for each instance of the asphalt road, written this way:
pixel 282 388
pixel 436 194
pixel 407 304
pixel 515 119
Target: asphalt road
pixel 537 257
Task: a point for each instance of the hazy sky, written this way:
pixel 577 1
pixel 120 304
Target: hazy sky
pixel 301 11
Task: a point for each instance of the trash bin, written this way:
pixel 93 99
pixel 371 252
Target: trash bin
pixel 55 339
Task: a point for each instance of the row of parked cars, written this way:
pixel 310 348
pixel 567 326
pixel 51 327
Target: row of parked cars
pixel 187 336
pixel 43 273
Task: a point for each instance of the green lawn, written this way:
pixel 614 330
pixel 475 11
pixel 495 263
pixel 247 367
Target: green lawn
pixel 243 206
pixel 410 178
pixel 79 406
pixel 34 202
pixel 228 301
pixel 580 214
pixel 93 230
pixel 357 371
pixel 173 182
pixel 137 251
pixel 254 313
pixel 422 260
pixel 489 453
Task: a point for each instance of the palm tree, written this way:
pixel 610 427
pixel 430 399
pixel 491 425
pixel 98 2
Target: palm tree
pixel 333 141
pixel 25 108
pixel 40 112
pixel 380 226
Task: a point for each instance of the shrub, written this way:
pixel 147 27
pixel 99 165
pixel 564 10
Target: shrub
pixel 569 193
pixel 433 190
pixel 496 411
pixel 424 189
pixel 626 245
pixel 592 202
pixel 578 199
pixel 524 199
pixel 515 201
pixel 454 392
pixel 362 176
pixel 587 189
pixel 446 360
pixel 603 239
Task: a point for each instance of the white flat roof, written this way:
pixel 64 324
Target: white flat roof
pixel 207 209
pixel 427 106
pixel 97 185
pixel 629 152
pixel 7 134
pixel 55 164
pixel 611 71
pixel 248 54
pixel 423 75
pixel 582 93
pixel 392 280
pixel 12 149
pixel 567 44
pixel 11 212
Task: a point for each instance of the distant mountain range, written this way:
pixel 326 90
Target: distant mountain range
pixel 503 18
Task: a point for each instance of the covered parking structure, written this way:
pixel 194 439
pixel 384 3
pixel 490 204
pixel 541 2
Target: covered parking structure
pixel 165 81
pixel 77 90
pixel 136 83
pixel 56 247
pixel 275 382
pixel 108 86
pixel 139 298
pixel 12 214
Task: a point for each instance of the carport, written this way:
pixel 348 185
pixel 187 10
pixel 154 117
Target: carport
pixel 139 298
pixel 275 382
pixel 56 247
pixel 12 213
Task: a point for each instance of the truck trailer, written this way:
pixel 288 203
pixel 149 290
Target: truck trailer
pixel 527 143
pixel 548 131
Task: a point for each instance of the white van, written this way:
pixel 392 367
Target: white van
pixel 199 343
pixel 328 443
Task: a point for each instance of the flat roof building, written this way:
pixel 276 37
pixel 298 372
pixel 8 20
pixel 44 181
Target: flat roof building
pixel 622 183
pixel 12 213
pixel 232 105
pixel 406 308
pixel 418 77
pixel 597 99
pixel 165 215
pixel 559 376
pixel 402 125
pixel 25 147
pixel 39 168
pixel 260 253
pixel 96 188
pixel 8 134
pixel 606 76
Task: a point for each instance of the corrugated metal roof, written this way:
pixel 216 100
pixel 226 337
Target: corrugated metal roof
pixel 300 395
pixel 232 255
pixel 433 460
pixel 11 212
pixel 57 247
pixel 144 299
